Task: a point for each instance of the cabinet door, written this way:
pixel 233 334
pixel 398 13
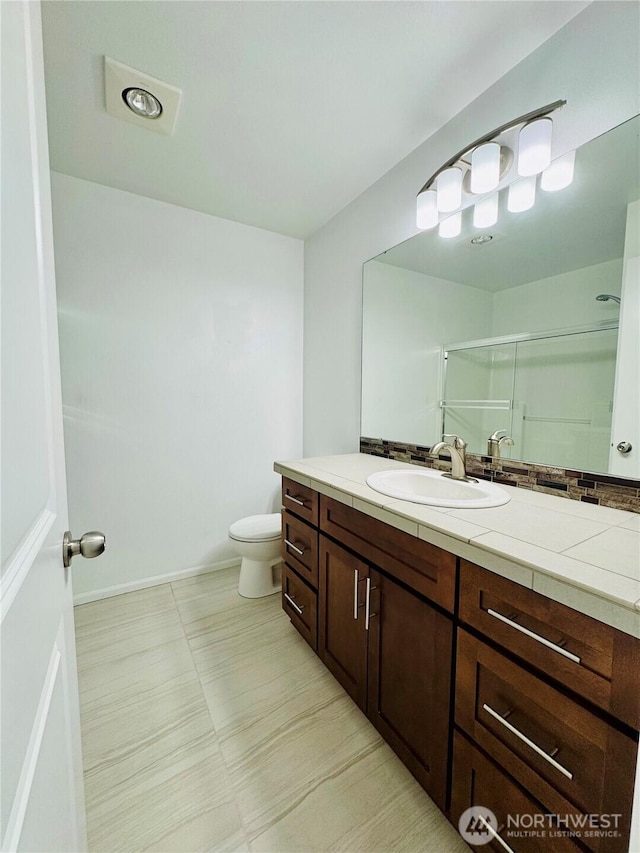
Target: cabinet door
pixel 342 640
pixel 409 701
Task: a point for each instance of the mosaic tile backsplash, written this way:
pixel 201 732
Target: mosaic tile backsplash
pixel 601 489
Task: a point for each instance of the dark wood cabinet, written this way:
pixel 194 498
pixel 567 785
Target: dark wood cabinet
pixel 409 680
pixel 567 757
pixel 546 699
pixel 342 638
pixel 300 506
pixel 392 651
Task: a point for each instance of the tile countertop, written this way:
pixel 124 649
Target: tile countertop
pixel 584 556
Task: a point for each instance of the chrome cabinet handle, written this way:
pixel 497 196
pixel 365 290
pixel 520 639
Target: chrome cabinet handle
pixel 624 447
pixel 496 834
pixel 295 500
pixel 293 547
pixel 368 615
pixel 356 581
pixel 534 636
pixel 293 604
pixel 529 743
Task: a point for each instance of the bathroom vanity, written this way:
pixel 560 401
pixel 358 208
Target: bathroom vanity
pixel 503 670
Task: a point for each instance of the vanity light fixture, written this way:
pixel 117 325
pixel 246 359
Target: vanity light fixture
pixel 534 147
pixel 449 189
pixel 480 167
pixel 485 212
pixel 522 194
pixel 427 216
pixel 485 168
pixel 559 174
pixel 451 226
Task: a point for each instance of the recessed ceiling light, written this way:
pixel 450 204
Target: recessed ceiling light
pixel 136 97
pixel 142 103
pixel 480 239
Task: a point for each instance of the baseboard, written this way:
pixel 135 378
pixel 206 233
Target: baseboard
pixel 156 580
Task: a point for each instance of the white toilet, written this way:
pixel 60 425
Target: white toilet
pixel 257 540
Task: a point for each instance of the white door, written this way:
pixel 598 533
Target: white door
pixel 41 793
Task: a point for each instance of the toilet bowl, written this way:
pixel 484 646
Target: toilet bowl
pixel 257 540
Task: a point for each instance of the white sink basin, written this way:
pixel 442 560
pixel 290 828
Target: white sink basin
pixel 425 486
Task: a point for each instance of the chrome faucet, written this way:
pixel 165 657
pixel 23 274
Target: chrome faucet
pixel 496 440
pixel 457 450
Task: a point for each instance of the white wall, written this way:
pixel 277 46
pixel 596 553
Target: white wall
pixel 181 349
pixel 593 62
pixel 408 317
pixel 559 301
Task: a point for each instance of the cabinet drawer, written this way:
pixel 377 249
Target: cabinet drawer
pixel 591 658
pixel 428 570
pixel 299 602
pixel 300 500
pixel 300 547
pixel 562 753
pixel 522 824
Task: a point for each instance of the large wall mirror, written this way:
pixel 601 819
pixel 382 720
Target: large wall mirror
pixel 533 331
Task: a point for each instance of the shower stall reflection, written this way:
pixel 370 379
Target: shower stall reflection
pixel 551 393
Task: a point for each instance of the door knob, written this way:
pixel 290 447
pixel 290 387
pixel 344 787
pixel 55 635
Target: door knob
pixel 90 545
pixel 623 446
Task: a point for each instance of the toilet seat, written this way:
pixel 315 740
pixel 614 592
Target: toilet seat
pixel 257 528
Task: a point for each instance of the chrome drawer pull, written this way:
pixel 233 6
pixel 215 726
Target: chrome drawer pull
pixel 368 615
pixel 496 835
pixel 529 743
pixel 293 547
pixel 534 636
pixel 356 581
pixel 293 604
pixel 295 500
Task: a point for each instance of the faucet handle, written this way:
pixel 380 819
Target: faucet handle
pixel 499 433
pixel 457 442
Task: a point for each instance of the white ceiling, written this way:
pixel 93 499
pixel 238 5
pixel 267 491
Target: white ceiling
pixel 290 110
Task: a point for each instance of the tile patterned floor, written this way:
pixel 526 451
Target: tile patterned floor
pixel 209 725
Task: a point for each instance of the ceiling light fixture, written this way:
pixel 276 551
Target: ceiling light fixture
pixel 451 226
pixel 522 194
pixel 485 168
pixel 559 174
pixel 139 99
pixel 485 212
pixel 534 147
pixel 481 167
pixel 449 190
pixel 142 103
